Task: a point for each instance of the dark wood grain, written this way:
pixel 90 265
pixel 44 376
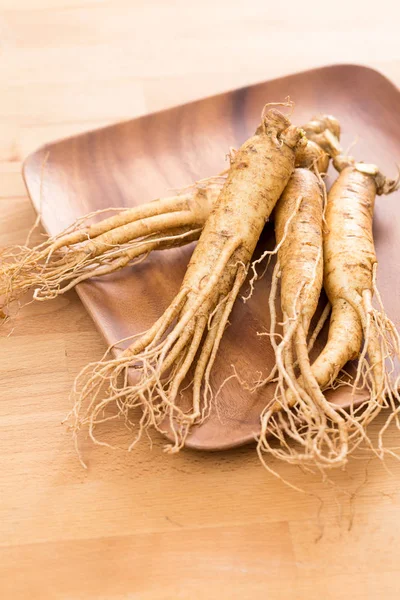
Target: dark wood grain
pixel 136 161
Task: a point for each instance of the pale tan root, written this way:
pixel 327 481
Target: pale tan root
pixel 350 272
pixel 283 353
pixel 375 369
pixel 270 253
pixel 60 263
pixel 161 362
pixel 300 426
pixel 324 130
pixel 152 370
pixel 320 123
pixel 311 155
pixel 310 345
pixel 285 426
pixel 338 443
pixel 336 433
pixel 319 326
pixel 129 254
pixel 211 345
pixel 300 413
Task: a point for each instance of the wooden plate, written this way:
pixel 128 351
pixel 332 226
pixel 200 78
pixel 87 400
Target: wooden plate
pixel 139 160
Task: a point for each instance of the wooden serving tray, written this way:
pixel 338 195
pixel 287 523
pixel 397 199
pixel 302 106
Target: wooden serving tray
pixel 139 160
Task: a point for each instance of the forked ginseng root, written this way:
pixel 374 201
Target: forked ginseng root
pixel 187 336
pixel 308 430
pixel 84 251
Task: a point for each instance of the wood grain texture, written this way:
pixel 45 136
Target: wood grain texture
pixel 124 528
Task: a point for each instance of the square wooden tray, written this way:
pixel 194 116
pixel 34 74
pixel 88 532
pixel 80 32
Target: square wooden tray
pixel 139 160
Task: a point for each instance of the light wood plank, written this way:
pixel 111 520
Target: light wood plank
pixel 86 569
pixel 146 525
pixel 11 182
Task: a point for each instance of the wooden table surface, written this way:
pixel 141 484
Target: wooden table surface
pixel 145 525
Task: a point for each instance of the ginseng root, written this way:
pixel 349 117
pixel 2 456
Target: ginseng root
pixel 187 336
pixel 357 329
pixel 318 433
pixel 83 251
pixel 311 422
pixel 349 279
